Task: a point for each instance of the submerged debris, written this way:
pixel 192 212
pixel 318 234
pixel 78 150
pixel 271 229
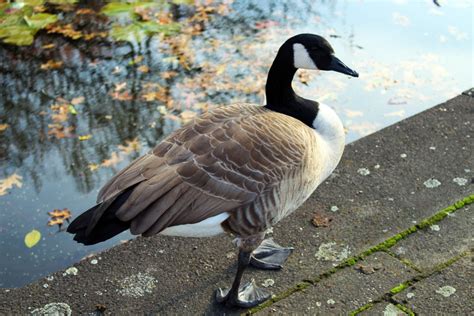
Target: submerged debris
pixel 431 183
pixel 446 291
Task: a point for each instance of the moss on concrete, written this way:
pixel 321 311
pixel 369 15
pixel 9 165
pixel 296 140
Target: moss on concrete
pixel 383 246
pixel 405 309
pixel 361 309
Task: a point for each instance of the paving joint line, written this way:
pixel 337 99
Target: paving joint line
pixel 382 246
pixel 389 296
pixel 407 262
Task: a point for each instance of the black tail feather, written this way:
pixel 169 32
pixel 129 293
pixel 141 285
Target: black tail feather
pixel 99 223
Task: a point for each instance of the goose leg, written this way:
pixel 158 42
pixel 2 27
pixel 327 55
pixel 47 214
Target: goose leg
pixel 246 296
pixel 269 255
pixel 249 294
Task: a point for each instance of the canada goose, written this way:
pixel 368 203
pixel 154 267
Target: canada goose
pixel 237 169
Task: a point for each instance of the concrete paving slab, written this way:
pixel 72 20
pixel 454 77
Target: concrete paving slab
pixel 176 275
pixel 440 242
pixel 449 292
pixel 347 289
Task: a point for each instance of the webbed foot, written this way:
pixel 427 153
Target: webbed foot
pixel 247 296
pixel 269 255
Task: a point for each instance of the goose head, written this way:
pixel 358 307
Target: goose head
pixel 312 51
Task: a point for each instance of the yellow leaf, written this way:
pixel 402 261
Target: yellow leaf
pixel 85 137
pixel 130 147
pixel 3 127
pixel 51 64
pixel 9 182
pixel 93 167
pixel 112 161
pixel 32 238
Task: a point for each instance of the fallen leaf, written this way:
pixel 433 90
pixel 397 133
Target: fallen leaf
pixel 32 238
pixel 320 220
pixel 84 137
pixel 9 182
pixel 368 269
pixel 48 46
pixel 51 64
pixel 120 86
pixel 72 109
pixel 130 147
pixel 77 100
pixel 143 68
pixel 3 127
pixel 187 116
pixel 85 11
pixel 58 217
pixel 112 161
pixel 124 96
pixel 93 167
pixel 136 60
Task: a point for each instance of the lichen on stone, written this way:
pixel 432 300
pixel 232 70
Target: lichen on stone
pixel 331 251
pixel 268 282
pixel 71 271
pixel 435 228
pixel 53 309
pixel 431 183
pixel 363 171
pixel 460 181
pixel 137 285
pixel 446 291
pixel 392 310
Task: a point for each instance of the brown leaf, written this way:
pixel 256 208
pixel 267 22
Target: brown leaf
pixel 130 147
pixel 9 182
pixel 319 220
pixel 112 161
pixel 368 269
pixel 3 127
pixel 51 64
pixel 143 68
pixel 124 96
pixel 77 100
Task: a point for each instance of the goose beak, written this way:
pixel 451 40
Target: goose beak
pixel 337 65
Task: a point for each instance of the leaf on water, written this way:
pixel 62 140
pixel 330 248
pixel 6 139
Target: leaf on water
pixel 72 109
pixel 130 146
pixel 77 100
pixel 112 161
pixel 138 59
pixel 143 68
pixel 40 20
pixel 168 74
pixel 400 113
pixel 48 46
pixel 120 86
pixel 58 217
pixel 51 64
pixel 9 182
pixel 65 30
pixel 93 167
pixel 3 127
pixel 350 113
pixel 59 131
pixel 85 11
pixel 85 137
pixel 187 116
pixel 32 238
pixel 124 96
pixel 400 19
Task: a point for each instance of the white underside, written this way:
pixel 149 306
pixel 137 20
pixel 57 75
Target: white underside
pixel 207 228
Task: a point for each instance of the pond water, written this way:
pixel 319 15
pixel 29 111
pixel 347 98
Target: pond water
pixel 73 111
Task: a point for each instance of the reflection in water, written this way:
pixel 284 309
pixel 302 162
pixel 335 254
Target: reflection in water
pixel 77 111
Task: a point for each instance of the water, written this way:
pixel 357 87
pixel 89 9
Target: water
pixel 411 55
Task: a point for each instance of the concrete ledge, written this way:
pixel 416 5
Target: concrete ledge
pixel 384 185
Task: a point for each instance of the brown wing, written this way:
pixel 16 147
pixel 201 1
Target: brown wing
pixel 222 161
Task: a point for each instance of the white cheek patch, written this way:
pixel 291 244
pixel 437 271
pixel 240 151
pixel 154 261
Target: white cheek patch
pixel 301 57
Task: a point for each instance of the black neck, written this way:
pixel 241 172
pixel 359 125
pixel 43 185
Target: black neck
pixel 280 95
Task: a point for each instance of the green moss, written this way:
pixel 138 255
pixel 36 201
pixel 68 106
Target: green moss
pixel 361 309
pixel 405 309
pixel 400 287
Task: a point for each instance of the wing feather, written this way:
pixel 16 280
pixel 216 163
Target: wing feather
pixel 227 160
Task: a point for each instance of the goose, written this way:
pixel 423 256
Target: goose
pixel 236 169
